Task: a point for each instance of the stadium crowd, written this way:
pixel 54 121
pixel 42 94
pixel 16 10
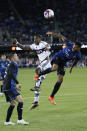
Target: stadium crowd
pixel 29 61
pixel 23 19
pixel 23 23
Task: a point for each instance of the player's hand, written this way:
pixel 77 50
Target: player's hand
pixel 70 70
pixel 15 41
pixel 49 33
pixel 18 87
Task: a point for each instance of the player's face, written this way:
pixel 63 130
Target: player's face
pixel 37 40
pixel 3 57
pixel 76 48
pixel 16 58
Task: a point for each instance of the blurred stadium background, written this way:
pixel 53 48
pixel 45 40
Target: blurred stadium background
pixel 22 19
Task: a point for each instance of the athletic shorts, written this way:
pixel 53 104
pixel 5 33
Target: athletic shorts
pixel 2 76
pixel 61 65
pixel 11 94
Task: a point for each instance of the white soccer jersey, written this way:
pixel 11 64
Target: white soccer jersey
pixel 41 50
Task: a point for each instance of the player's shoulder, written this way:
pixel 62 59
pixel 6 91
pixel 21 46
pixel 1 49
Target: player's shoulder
pixel 7 60
pixel 44 42
pixel 69 43
pixel 33 45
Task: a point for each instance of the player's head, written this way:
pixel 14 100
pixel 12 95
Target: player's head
pixel 14 57
pixel 3 57
pixel 37 39
pixel 77 46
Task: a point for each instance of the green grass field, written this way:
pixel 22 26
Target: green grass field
pixel 70 113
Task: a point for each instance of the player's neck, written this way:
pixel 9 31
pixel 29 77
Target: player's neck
pixel 14 61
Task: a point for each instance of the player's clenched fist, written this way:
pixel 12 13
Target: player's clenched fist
pixel 18 87
pixel 15 41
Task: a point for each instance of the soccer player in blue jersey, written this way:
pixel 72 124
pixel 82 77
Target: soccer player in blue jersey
pixel 71 52
pixel 3 65
pixel 11 87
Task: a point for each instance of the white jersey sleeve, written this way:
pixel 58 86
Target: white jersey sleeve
pixel 32 46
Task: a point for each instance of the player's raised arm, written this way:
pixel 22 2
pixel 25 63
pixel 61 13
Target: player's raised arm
pixel 63 38
pixel 20 45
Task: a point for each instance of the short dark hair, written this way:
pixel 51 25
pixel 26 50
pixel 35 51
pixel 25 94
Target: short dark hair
pixel 38 35
pixel 78 43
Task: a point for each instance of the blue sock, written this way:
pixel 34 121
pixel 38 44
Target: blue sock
pixel 9 113
pixel 56 88
pixel 20 110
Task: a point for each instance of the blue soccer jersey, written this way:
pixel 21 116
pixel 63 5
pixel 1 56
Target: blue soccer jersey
pixel 3 66
pixel 10 80
pixel 67 54
pixel 15 72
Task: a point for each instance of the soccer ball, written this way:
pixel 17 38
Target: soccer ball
pixel 48 13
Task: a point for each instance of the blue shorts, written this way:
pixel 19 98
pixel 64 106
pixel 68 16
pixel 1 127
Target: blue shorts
pixel 61 65
pixel 11 94
pixel 2 76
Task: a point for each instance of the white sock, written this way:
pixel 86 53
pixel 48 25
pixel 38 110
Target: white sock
pixel 39 81
pixel 36 96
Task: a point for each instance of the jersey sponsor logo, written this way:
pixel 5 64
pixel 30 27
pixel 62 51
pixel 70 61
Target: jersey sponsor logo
pixel 40 51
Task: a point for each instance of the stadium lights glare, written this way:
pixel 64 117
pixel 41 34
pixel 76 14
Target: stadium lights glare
pixel 84 46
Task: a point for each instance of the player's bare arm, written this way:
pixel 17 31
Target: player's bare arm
pixel 74 63
pixel 20 45
pixel 57 35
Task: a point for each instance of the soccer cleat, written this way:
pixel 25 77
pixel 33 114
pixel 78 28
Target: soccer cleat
pixel 36 77
pixel 22 122
pixel 9 123
pixel 35 89
pixel 52 100
pixel 34 105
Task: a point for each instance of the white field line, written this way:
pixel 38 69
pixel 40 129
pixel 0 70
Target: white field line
pixel 70 94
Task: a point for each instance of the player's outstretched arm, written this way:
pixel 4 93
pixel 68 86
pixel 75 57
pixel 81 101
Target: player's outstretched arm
pixel 20 45
pixel 74 63
pixel 63 38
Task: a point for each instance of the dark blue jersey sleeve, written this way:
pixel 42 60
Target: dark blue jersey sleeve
pixel 79 57
pixel 11 72
pixel 69 43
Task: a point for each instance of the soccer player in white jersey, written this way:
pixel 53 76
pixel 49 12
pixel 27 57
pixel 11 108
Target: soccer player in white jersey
pixel 42 49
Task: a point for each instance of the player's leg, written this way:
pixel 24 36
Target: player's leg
pixel 38 83
pixel 37 93
pixel 61 73
pixel 46 64
pixel 19 99
pixel 57 85
pixel 55 90
pixel 1 93
pixel 9 113
pixel 48 70
pixel 36 100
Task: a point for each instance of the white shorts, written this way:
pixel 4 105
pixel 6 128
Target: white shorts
pixel 44 65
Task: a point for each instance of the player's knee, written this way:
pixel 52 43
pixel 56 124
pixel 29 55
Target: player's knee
pixel 60 79
pixel 19 99
pixel 55 67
